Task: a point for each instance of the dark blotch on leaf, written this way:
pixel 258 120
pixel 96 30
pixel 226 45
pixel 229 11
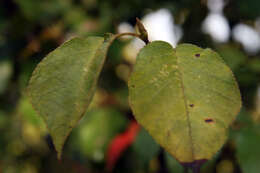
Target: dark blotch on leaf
pixel 197 55
pixel 195 165
pixel 191 105
pixel 209 120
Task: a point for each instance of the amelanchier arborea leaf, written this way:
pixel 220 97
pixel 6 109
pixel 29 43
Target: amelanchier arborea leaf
pixel 63 84
pixel 185 97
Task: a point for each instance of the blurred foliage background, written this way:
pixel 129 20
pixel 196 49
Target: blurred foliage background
pixel 107 139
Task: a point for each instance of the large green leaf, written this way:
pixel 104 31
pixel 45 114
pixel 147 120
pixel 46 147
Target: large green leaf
pixel 185 97
pixel 63 84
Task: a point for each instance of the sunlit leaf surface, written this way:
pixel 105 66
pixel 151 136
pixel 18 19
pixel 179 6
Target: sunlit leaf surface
pixel 185 97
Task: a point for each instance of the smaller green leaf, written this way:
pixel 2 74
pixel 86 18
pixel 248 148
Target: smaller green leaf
pixel 145 147
pixel 247 146
pixel 63 84
pixel 232 56
pixel 95 132
pixel 173 164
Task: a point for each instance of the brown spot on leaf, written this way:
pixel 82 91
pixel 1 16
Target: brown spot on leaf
pixel 191 105
pixel 168 133
pixel 197 55
pixel 209 120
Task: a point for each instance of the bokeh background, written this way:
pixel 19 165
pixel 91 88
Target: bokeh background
pixel 107 138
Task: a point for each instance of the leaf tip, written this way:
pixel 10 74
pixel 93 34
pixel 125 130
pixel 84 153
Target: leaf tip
pixel 196 164
pixel 59 156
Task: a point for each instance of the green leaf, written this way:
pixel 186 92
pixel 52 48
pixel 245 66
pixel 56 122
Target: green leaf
pixel 246 137
pixel 247 146
pixel 186 98
pixel 63 84
pixel 233 56
pixel 145 147
pixel 90 139
pixel 173 164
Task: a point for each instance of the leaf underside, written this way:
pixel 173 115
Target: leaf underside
pixel 63 84
pixel 185 97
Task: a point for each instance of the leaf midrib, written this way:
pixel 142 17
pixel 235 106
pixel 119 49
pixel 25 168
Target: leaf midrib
pixel 87 65
pixel 186 106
